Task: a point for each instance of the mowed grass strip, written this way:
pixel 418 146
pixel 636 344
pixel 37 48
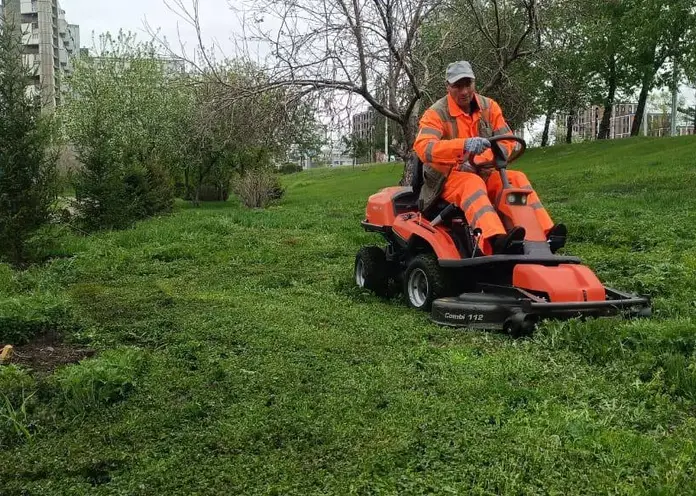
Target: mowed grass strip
pixel 237 356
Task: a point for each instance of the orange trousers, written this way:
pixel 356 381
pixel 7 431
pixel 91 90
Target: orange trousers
pixel 476 198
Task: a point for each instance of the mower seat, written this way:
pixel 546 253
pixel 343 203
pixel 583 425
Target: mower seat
pixel 408 201
pixel 417 184
pixel 405 201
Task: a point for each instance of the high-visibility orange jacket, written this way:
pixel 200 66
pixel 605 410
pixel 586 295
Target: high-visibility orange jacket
pixel 445 127
pixel 443 131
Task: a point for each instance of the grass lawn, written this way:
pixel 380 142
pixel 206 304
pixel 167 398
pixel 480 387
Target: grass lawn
pixel 233 354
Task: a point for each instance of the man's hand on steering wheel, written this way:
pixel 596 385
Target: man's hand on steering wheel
pixel 500 158
pixel 477 145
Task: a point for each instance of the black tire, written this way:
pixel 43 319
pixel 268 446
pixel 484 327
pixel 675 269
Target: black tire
pixel 520 327
pixel 371 270
pixel 425 282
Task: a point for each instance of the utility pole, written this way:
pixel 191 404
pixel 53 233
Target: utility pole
pixel 675 93
pixel 386 137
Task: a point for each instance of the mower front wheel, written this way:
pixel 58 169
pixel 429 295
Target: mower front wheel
pixel 372 270
pixel 425 282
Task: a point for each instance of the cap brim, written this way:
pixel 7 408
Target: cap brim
pixel 454 79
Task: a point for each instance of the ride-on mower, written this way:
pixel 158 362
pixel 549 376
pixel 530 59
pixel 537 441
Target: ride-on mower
pixel 435 256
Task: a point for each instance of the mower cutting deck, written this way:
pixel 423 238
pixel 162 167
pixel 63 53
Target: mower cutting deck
pixel 435 257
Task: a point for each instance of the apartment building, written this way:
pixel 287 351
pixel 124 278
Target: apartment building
pixel 587 121
pixel 369 127
pixel 364 125
pixel 49 44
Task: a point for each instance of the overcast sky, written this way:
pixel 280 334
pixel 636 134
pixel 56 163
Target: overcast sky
pixel 218 22
pixel 99 16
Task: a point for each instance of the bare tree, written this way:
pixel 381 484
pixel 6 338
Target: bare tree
pixel 509 29
pixel 361 47
pixel 371 48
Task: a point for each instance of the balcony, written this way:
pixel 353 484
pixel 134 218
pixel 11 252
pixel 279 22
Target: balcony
pixel 31 38
pixel 29 7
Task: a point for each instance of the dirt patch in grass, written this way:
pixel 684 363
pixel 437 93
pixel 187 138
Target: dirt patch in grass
pixel 47 352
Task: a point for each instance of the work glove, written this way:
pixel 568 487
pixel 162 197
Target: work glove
pixel 476 146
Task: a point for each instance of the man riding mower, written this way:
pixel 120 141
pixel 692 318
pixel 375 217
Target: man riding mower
pixel 470 240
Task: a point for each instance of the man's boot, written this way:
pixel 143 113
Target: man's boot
pixel 557 237
pixel 509 243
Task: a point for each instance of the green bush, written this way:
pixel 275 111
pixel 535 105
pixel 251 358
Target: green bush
pixel 213 192
pixel 100 199
pixel 149 191
pixel 6 277
pixel 28 175
pixel 289 168
pixel 109 199
pixel 15 384
pixel 105 380
pixel 23 318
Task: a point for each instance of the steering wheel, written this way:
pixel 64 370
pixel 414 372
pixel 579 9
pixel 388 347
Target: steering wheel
pixel 499 159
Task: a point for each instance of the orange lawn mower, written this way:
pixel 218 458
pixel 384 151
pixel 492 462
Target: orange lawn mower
pixel 435 257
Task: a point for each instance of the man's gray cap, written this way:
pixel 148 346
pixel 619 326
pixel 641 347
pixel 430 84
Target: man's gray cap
pixel 458 70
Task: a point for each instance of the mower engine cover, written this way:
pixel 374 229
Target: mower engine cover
pixel 564 283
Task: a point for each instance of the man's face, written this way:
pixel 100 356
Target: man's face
pixel 462 91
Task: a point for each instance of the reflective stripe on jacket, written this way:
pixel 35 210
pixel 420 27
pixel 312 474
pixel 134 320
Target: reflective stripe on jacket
pixel 443 131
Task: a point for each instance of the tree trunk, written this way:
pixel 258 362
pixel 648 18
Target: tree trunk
pixel 187 185
pixel 547 125
pixel 642 100
pixel 648 80
pixel 569 130
pixel 17 252
pixel 410 129
pixel 199 185
pixel 604 127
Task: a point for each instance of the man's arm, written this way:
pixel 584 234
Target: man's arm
pixel 429 145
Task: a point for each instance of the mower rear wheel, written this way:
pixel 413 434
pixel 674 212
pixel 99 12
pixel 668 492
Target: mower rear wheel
pixel 372 270
pixel 425 282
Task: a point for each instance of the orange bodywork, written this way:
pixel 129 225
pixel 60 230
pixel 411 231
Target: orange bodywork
pixel 380 212
pixel 564 283
pixel 380 207
pixel 522 215
pixel 437 237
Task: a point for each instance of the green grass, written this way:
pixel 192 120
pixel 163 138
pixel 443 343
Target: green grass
pixel 239 358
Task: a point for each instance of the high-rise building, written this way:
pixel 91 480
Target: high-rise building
pixel 49 43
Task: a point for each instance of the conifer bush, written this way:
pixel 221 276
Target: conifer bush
pixel 27 157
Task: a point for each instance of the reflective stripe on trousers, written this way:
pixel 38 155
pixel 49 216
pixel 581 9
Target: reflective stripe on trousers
pixel 476 198
pixel 469 192
pixel 519 180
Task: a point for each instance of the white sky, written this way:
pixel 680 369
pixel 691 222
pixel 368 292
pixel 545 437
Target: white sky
pixel 99 16
pixel 219 23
